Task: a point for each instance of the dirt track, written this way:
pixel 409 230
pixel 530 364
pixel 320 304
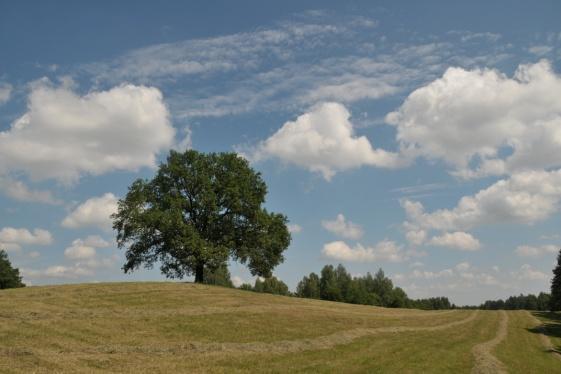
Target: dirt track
pixel 485 362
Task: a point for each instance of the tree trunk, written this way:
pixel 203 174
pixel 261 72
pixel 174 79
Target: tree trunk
pixel 199 273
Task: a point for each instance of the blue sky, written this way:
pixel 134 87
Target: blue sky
pixel 420 137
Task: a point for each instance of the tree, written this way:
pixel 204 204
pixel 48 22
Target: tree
pixel 219 277
pixel 555 302
pixel 196 213
pixel 9 276
pixel 271 285
pixel 309 287
pixel 329 287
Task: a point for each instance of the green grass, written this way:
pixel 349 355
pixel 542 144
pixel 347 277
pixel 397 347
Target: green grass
pixel 180 327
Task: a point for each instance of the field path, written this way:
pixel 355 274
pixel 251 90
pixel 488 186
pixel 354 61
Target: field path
pixel 485 362
pixel 546 342
pixel 285 346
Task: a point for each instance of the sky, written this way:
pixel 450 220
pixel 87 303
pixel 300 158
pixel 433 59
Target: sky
pixel 423 138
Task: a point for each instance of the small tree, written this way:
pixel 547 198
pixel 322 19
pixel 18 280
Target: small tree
pixel 9 276
pixel 199 211
pixel 555 301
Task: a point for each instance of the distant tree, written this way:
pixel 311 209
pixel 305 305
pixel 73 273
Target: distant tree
pixel 9 276
pixel 246 287
pixel 219 277
pixel 343 281
pixel 198 211
pixel 399 298
pixel 309 287
pixel 383 287
pixel 329 287
pixel 271 285
pixel 556 286
pixel 544 301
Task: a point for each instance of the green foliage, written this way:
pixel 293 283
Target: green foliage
pixel 196 213
pixel 246 287
pixel 556 286
pixel 271 285
pixel 336 284
pixel 309 287
pixel 527 302
pixel 9 276
pixel 219 277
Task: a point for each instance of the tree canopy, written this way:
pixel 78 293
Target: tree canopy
pixel 555 301
pixel 9 276
pixel 197 212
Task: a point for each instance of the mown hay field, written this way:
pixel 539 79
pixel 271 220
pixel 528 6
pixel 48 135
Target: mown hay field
pixel 182 327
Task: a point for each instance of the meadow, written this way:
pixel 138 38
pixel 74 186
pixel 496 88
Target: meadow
pixel 182 327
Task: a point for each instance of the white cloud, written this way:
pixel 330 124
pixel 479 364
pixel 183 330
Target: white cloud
pixel 467 118
pixel 323 141
pixel 420 274
pixel 463 266
pixel 64 135
pixel 20 191
pixel 459 239
pixel 95 211
pixel 34 254
pixel 534 251
pixel 85 249
pixel 12 239
pixel 57 271
pixel 525 198
pixel 416 237
pixel 294 228
pixel 383 251
pixel 340 226
pixel 5 92
pixel 527 272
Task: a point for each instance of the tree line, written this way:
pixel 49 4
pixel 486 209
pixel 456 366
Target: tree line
pixel 527 302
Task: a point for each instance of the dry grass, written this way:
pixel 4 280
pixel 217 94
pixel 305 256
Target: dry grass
pixel 178 327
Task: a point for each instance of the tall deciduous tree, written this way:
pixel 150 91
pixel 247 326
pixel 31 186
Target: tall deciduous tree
pixel 555 301
pixel 196 213
pixel 9 276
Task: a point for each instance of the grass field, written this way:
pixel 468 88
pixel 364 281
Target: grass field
pixel 180 327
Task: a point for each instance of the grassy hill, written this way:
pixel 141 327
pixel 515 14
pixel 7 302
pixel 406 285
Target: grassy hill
pixel 179 327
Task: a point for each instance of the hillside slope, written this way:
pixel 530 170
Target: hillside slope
pixel 180 327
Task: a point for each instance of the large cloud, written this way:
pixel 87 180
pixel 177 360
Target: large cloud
pixel 385 250
pixel 323 141
pixel 5 92
pixel 482 122
pixel 12 238
pixel 95 211
pixel 64 135
pixel 525 198
pixel 458 240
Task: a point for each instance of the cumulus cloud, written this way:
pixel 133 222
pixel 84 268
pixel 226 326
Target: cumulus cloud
pixel 20 191
pixel 85 249
pixel 64 135
pixel 12 238
pixel 481 117
pixel 416 237
pixel 459 240
pixel 527 272
pixel 534 251
pixel 340 226
pixel 385 250
pixel 526 198
pixel 95 211
pixel 57 271
pixel 5 92
pixel 323 141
